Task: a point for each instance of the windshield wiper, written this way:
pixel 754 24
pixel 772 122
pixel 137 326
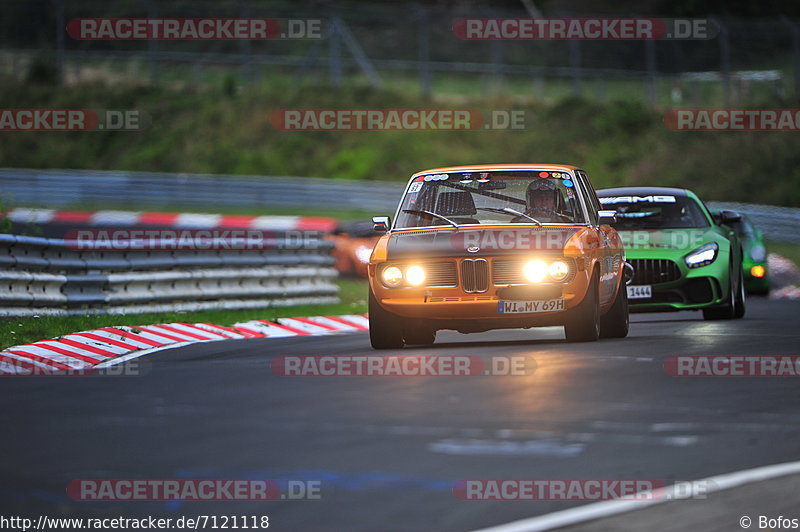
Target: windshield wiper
pixel 508 210
pixel 429 213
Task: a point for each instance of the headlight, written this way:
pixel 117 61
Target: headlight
pixel 758 271
pixel 758 253
pixel 703 255
pixel 558 270
pixel 535 271
pixel 415 275
pixel 392 276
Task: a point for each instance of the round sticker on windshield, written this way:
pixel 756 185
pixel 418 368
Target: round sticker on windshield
pixel 543 174
pixel 567 182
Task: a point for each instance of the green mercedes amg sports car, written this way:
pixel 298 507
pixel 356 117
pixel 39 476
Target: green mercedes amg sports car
pixel 683 258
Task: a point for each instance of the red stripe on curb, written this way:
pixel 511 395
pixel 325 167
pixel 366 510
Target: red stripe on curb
pixel 39 358
pixel 72 216
pixel 299 332
pixel 184 333
pixel 236 220
pixel 77 345
pixel 172 339
pixel 345 322
pixel 237 330
pixel 132 336
pixel 158 218
pixel 98 338
pixel 316 224
pixel 27 364
pixel 314 323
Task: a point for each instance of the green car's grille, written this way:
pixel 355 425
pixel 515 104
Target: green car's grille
pixel 654 271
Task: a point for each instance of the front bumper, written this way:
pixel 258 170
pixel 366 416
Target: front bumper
pixel 694 288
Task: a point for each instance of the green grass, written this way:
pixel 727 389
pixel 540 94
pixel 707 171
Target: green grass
pixel 209 130
pixel 15 331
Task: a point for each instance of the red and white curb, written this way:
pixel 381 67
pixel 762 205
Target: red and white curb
pixel 100 348
pixel 176 220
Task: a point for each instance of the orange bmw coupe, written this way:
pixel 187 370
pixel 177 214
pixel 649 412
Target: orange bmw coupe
pixel 475 248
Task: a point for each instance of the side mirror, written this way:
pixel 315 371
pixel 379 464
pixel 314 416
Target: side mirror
pixel 607 217
pixel 627 273
pixel 381 224
pixel 729 217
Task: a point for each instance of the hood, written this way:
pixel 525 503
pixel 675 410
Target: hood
pixel 666 239
pixel 497 241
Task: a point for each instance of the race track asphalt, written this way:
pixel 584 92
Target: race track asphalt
pixel 388 450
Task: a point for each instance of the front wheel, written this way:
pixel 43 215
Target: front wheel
pixel 739 303
pixel 728 310
pixel 385 329
pixel 583 321
pixel 615 322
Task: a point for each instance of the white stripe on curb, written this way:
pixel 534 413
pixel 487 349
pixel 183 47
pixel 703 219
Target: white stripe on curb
pixel 599 510
pixel 169 335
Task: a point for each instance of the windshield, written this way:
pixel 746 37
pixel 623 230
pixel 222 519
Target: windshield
pixel 525 197
pixel 655 212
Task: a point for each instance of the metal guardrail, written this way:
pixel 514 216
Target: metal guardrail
pixel 112 188
pixel 65 187
pixel 56 277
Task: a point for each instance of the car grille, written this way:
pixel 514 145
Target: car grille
pixel 474 275
pixel 510 271
pixel 654 271
pixel 441 274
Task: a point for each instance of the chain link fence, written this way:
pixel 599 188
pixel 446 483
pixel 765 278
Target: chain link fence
pixel 410 47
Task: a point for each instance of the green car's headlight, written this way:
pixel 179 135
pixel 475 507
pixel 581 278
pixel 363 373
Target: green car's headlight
pixel 702 256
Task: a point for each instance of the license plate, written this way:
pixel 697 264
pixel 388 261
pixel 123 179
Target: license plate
pixel 529 307
pixel 643 291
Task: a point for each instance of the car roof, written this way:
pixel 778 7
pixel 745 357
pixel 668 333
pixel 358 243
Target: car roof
pixel 642 191
pixel 489 167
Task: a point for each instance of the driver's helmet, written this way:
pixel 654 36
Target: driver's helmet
pixel 542 195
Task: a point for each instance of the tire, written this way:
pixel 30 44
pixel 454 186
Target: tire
pixel 740 305
pixel 583 321
pixel 385 329
pixel 615 322
pixel 728 310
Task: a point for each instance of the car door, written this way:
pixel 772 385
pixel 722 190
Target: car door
pixel 609 254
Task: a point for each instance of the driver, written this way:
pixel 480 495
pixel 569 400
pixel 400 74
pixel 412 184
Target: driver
pixel 542 198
